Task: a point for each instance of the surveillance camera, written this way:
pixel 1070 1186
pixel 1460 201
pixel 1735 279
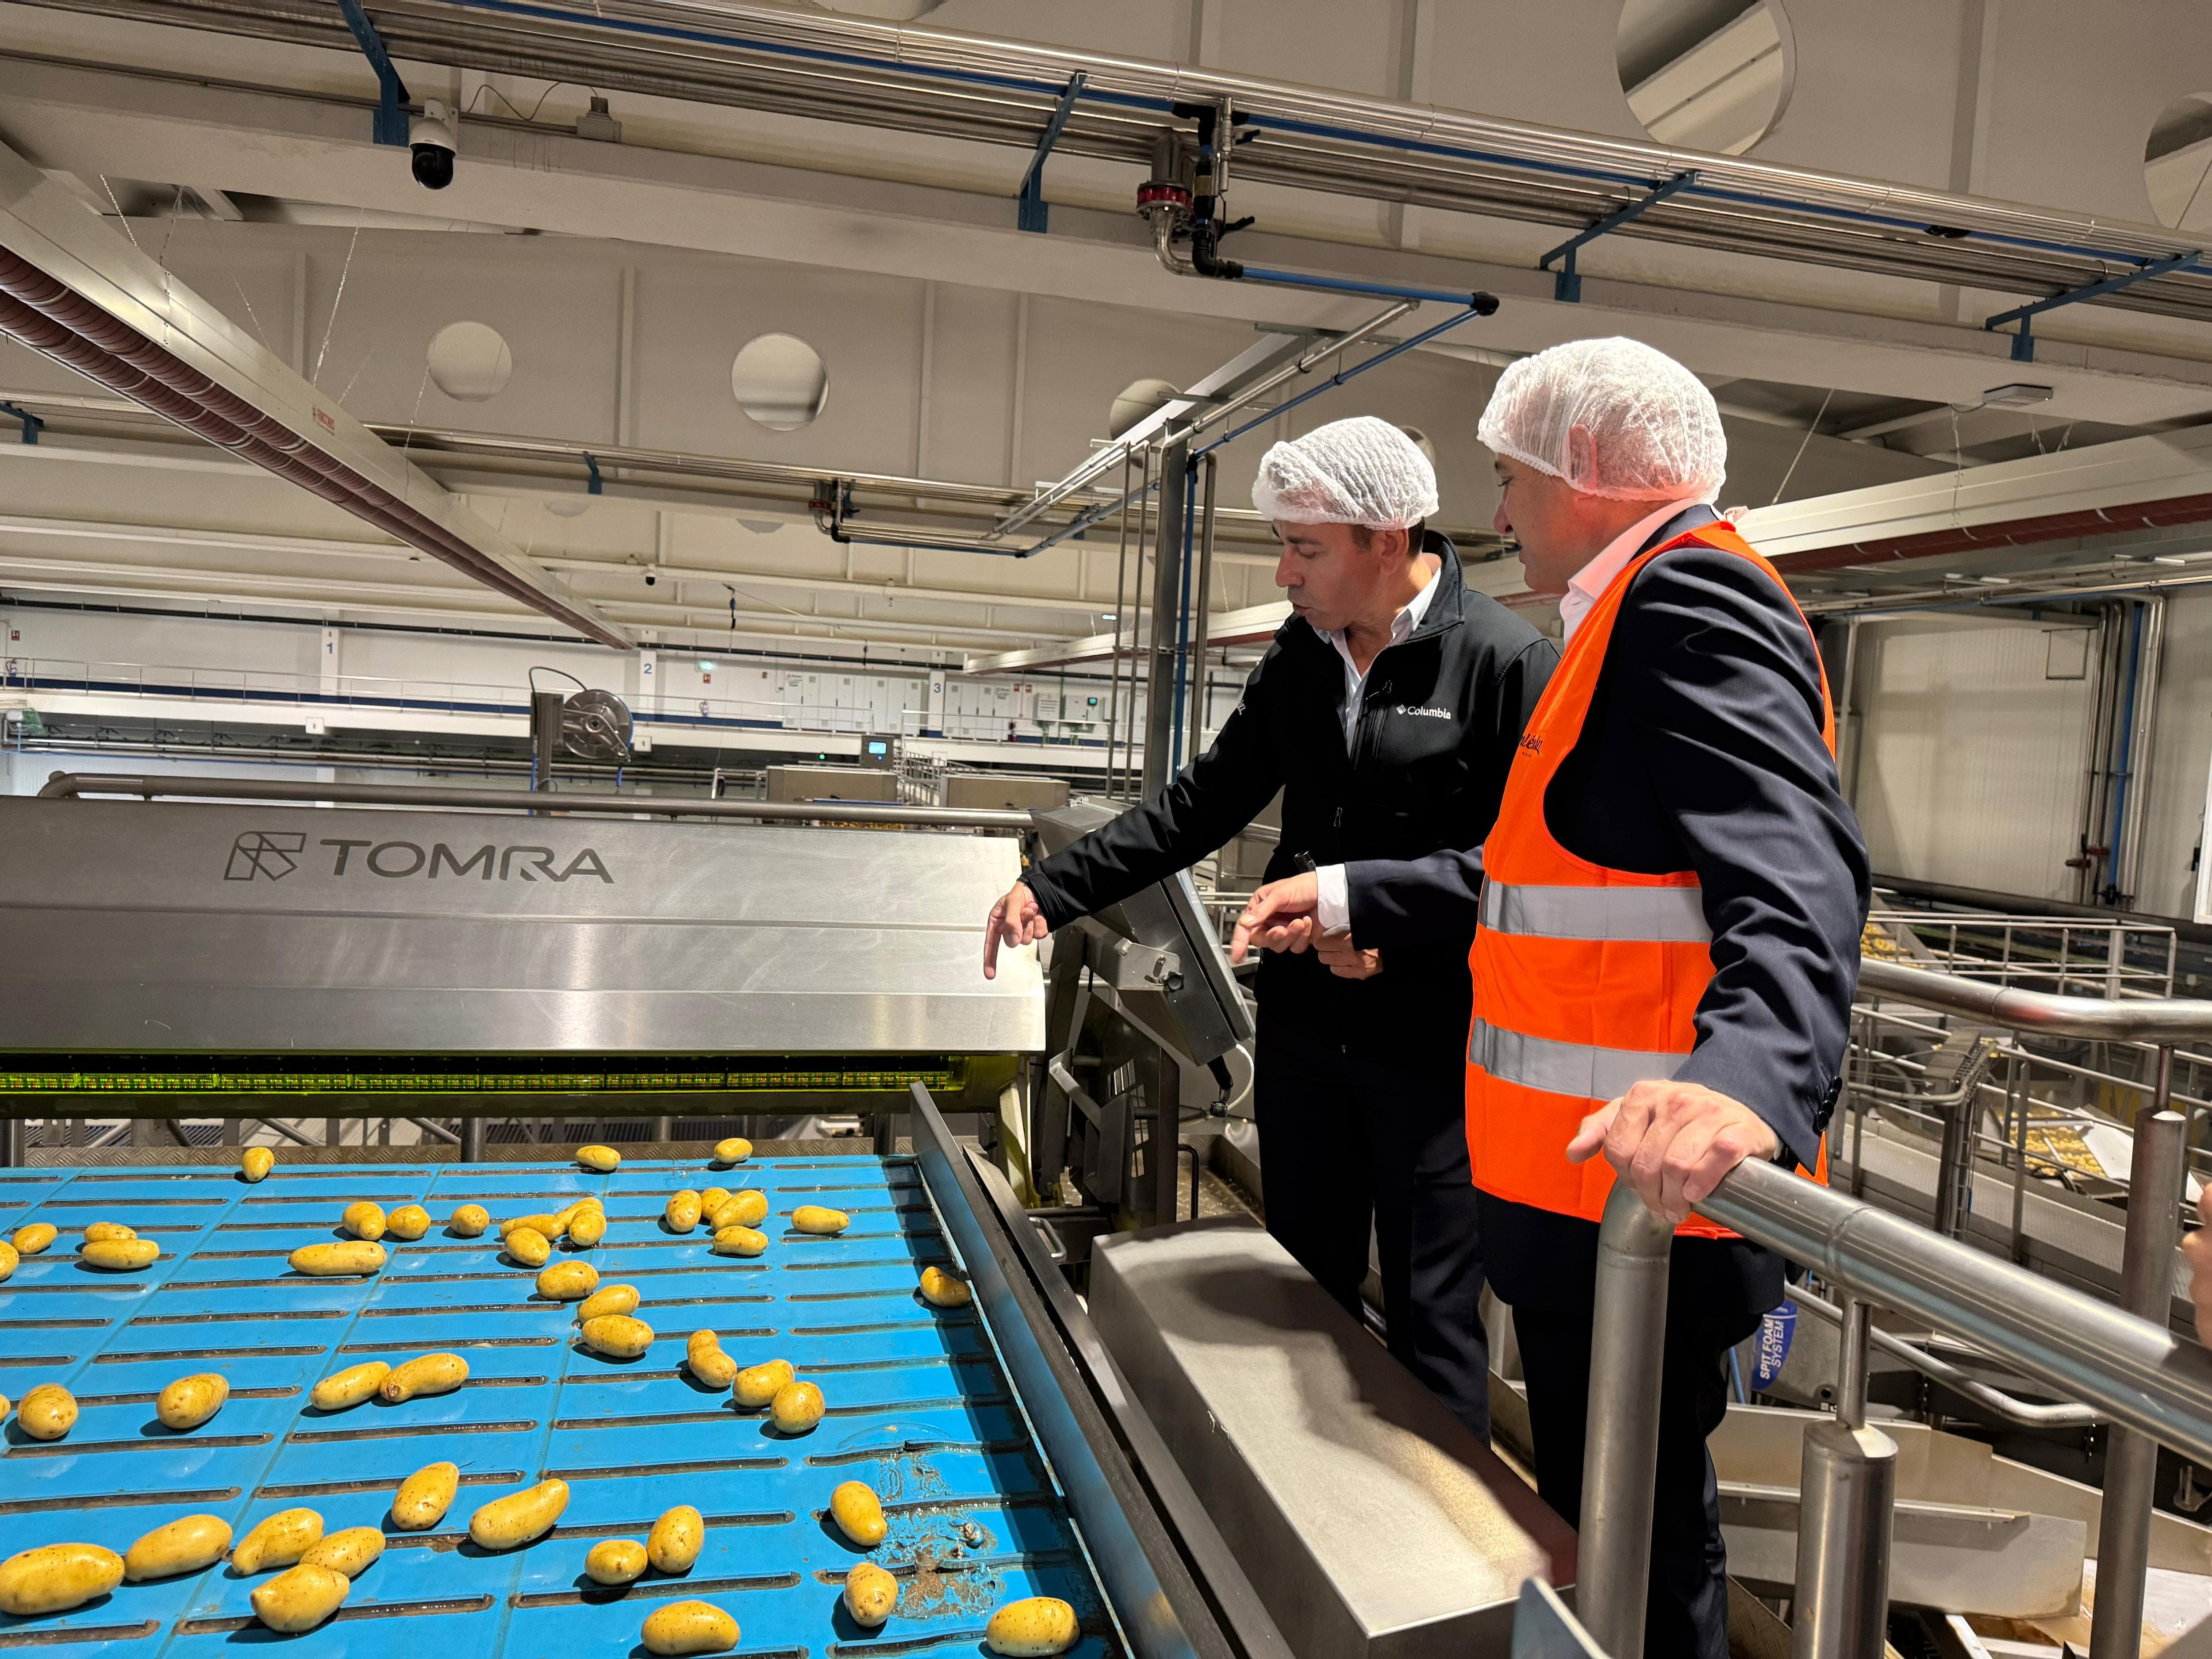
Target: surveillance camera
pixel 649 580
pixel 430 136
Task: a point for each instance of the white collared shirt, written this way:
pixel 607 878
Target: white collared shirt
pixel 1401 629
pixel 1589 584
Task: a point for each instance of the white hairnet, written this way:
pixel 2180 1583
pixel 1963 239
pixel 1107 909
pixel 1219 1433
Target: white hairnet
pixel 1362 471
pixel 1655 430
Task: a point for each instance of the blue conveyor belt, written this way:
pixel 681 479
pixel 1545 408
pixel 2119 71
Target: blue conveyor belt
pixel 919 1407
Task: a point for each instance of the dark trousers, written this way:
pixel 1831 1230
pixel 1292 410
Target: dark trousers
pixel 1345 1140
pixel 1544 1266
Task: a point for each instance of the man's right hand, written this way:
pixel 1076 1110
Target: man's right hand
pixel 1279 918
pixel 1015 921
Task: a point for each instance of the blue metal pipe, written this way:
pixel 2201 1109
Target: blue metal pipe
pixel 1482 304
pixel 2120 771
pixel 1182 620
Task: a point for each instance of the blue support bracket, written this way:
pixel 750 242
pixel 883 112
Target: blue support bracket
pixel 2023 343
pixel 32 424
pixel 390 123
pixel 1567 286
pixel 1035 213
pixel 593 485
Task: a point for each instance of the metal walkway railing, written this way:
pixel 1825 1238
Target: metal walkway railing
pixel 2155 1388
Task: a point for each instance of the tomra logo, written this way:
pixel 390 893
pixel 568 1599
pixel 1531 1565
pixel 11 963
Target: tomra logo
pixel 257 853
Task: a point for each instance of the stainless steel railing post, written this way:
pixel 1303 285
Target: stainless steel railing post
pixel 1621 1439
pixel 2154 1189
pixel 1846 1496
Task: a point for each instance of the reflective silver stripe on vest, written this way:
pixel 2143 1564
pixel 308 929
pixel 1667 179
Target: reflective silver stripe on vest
pixel 1579 1069
pixel 1666 915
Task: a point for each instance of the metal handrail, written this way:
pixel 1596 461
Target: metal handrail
pixel 2178 1020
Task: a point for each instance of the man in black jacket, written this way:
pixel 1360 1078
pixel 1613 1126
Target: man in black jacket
pixel 1386 711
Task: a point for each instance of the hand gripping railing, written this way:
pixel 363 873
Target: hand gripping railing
pixel 2157 1389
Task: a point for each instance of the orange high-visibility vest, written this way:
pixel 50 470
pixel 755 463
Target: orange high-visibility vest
pixel 1587 979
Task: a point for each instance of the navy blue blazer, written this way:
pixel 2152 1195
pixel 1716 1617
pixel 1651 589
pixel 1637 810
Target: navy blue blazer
pixel 1702 751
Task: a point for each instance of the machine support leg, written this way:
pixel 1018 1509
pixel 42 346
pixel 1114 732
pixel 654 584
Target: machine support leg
pixel 12 1137
pixel 1846 1495
pixel 473 1139
pixel 886 1133
pixel 664 1128
pixel 2154 1189
pixel 1620 1442
pixel 1165 1167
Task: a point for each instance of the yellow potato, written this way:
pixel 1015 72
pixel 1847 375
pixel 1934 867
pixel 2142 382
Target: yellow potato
pixel 191 1544
pixel 433 1373
pixel 321 1261
pixel 681 1214
pixel 713 1200
pixel 740 1241
pixel 506 1521
pixel 736 1149
pixel 190 1400
pixel 364 1220
pixel 589 1227
pixel 29 1241
pixel 529 1246
pixel 703 1354
pixel 256 1162
pixel 690 1627
pixel 858 1514
pixel 941 1290
pixel 9 1258
pixel 349 1387
pixel 120 1255
pixel 758 1384
pixel 47 1412
pixel 615 1561
pixel 299 1599
pixel 608 1299
pixel 424 1496
pixel 351 1552
pixel 470 1221
pixel 545 1226
pixel 279 1541
pixel 814 1219
pixel 568 1281
pixel 565 1220
pixel 617 1335
pixel 747 1208
pixel 408 1223
pixel 1029 1628
pixel 797 1408
pixel 871 1594
pixel 604 1159
pixel 100 1231
pixel 4 1409
pixel 676 1539
pixel 57 1577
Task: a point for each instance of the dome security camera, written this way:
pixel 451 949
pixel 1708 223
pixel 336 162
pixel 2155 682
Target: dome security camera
pixel 430 136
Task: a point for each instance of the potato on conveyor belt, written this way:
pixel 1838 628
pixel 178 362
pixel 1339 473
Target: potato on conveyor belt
pixel 300 1598
pixel 1030 1628
pixel 703 1355
pixel 859 1513
pixel 675 1539
pixel 797 1408
pixel 604 1159
pixel 256 1162
pixel 349 1387
pixel 57 1577
pixel 364 1219
pixel 816 1219
pixel 408 1223
pixel 736 1149
pixel 470 1221
pixel 617 1335
pixel 31 1240
pixel 96 1232
pixel 941 1290
pixel 712 1199
pixel 589 1227
pixel 432 1374
pixel 323 1261
pixel 739 1241
pixel 608 1299
pixel 615 1561
pixel 351 1550
pixel 10 1258
pixel 47 1412
pixel 278 1541
pixel 121 1255
pixel 690 1627
pixel 545 1226
pixel 424 1497
pixel 529 1246
pixel 568 1281
pixel 506 1522
pixel 747 1207
pixel 871 1594
pixel 756 1385
pixel 191 1545
pixel 680 1214
pixel 190 1400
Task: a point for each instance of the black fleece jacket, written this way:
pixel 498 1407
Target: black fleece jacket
pixel 1441 713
